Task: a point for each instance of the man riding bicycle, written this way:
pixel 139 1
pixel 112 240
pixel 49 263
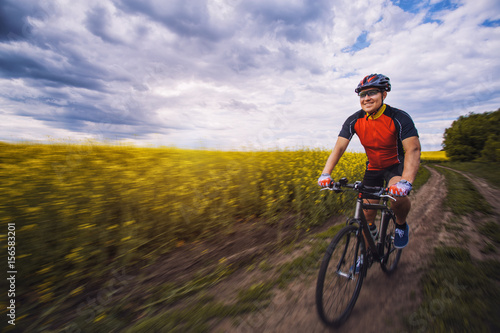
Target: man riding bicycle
pixel 392 146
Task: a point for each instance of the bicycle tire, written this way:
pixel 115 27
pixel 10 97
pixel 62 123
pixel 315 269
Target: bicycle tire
pixel 338 286
pixel 391 255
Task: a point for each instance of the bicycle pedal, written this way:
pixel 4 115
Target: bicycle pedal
pixel 369 260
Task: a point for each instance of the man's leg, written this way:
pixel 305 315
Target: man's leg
pixel 372 178
pixel 401 206
pixel 370 214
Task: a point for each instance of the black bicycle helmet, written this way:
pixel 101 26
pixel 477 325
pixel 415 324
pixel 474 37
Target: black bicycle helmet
pixel 374 81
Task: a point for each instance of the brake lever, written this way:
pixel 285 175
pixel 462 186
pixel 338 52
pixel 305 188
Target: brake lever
pixel 333 188
pixel 388 196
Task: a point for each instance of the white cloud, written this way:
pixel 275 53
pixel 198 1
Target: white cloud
pixel 259 74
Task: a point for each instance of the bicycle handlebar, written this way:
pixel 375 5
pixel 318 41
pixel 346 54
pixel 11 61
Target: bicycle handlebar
pixel 378 191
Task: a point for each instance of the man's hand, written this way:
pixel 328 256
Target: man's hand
pixel 324 180
pixel 401 188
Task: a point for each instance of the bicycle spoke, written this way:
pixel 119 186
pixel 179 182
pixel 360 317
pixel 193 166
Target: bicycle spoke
pixel 338 283
pixel 391 254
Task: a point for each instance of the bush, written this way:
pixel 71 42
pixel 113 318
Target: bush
pixel 491 150
pixel 467 137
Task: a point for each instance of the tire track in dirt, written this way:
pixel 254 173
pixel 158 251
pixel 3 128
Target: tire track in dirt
pixel 384 300
pixel 471 222
pixel 489 193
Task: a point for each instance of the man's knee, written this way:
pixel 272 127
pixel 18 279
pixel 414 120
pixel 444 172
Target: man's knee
pixel 401 203
pixel 370 215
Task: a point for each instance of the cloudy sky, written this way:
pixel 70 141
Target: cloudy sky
pixel 239 74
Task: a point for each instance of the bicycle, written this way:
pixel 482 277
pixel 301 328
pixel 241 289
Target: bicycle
pixel 352 251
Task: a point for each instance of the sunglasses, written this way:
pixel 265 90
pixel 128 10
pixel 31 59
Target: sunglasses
pixel 368 93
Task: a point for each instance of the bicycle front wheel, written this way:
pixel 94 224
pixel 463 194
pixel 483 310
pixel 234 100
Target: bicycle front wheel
pixel 340 276
pixel 391 255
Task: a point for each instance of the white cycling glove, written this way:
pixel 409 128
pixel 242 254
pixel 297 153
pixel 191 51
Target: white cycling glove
pixel 401 188
pixel 324 180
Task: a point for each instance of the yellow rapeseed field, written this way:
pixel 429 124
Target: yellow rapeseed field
pixel 82 210
pixel 434 156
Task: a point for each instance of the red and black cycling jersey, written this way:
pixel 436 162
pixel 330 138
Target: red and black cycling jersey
pixel 381 135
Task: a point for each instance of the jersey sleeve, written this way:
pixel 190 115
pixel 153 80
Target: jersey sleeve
pixel 347 130
pixel 407 128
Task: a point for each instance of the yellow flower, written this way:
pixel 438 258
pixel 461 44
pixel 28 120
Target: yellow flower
pixel 86 226
pixel 28 227
pixel 71 255
pixel 71 274
pixel 45 270
pixel 100 317
pixel 46 297
pixel 44 286
pixel 76 291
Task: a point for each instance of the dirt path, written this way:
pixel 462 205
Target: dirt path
pixel 383 302
pixel 489 193
pixel 470 223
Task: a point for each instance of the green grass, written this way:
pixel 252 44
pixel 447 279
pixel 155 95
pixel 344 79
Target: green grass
pixel 488 171
pixel 194 318
pixel 491 229
pixel 463 198
pixel 256 292
pixel 201 281
pixel 331 232
pixel 201 307
pixel 460 295
pixel 423 176
pixel 452 227
pixel 489 248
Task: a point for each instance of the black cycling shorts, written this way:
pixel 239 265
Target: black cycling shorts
pixel 377 177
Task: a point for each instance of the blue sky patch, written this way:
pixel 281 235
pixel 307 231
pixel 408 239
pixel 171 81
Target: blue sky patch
pixel 415 7
pixel 444 5
pixel 361 43
pixel 491 23
pixel 349 74
pixel 409 6
pixel 418 6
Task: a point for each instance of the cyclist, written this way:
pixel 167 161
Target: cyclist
pixel 391 144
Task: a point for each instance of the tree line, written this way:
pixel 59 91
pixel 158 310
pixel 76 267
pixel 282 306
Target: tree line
pixel 475 136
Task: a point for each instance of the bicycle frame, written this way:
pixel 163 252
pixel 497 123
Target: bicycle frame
pixel 359 217
pixel 352 251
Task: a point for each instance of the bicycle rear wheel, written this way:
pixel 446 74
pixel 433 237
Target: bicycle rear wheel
pixel 338 284
pixel 391 255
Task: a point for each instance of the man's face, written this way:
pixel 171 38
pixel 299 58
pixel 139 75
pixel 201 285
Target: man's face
pixel 371 103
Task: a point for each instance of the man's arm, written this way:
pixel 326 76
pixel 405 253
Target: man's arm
pixel 336 154
pixel 412 148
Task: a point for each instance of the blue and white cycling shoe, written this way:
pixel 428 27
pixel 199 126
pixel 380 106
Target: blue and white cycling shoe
pixel 401 237
pixel 359 262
